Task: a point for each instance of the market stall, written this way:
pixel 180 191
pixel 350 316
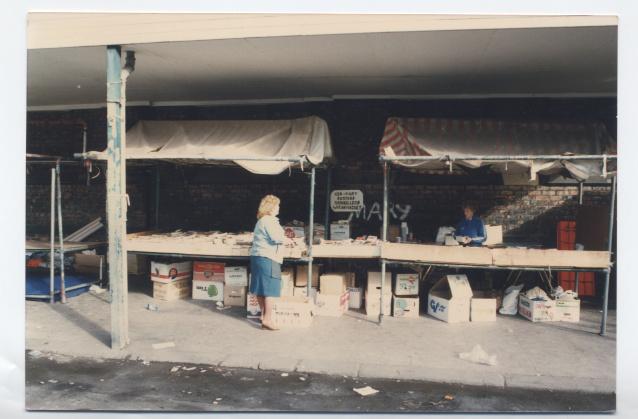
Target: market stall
pixel 581 150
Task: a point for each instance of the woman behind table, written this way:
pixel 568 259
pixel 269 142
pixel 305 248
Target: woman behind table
pixel 265 260
pixel 471 227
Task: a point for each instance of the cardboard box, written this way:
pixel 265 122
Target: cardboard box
pixel 483 310
pixel 291 312
pixel 236 276
pixel 537 311
pixel 234 296
pixel 330 304
pixel 374 280
pixel 450 298
pixel 333 284
pixel 176 290
pixel 406 284
pixel 568 310
pixel 405 306
pixel 494 234
pixel 301 276
pixel 355 299
pixel 169 272
pixel 303 292
pixel 208 290
pixel 394 232
pixel 137 264
pixel 209 271
pixel 372 302
pixel 89 264
pixel 253 311
pixel 339 231
pixel 287 283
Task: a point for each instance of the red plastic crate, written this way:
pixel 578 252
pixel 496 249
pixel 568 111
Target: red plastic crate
pixel 566 240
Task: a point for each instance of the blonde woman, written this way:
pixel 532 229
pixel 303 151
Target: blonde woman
pixel 265 260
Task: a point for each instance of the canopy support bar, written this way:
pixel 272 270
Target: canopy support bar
pixel 610 241
pixel 384 236
pixel 499 157
pixel 311 227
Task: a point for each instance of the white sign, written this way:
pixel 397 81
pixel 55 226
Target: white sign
pixel 346 200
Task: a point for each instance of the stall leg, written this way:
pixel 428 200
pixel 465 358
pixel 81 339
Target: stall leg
pixel 576 283
pixel 61 238
pixel 311 227
pixel 52 252
pixel 603 324
pixel 157 196
pixel 326 215
pixel 384 235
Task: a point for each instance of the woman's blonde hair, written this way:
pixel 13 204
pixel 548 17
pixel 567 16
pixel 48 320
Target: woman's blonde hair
pixel 267 204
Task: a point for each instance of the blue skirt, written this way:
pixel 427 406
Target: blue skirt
pixel 265 277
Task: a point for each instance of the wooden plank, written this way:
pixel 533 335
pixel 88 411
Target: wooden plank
pixel 550 258
pixel 437 254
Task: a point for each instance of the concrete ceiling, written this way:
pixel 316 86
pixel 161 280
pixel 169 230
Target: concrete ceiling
pixel 570 61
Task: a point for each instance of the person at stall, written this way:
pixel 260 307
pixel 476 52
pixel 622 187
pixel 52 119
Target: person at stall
pixel 266 259
pixel 470 230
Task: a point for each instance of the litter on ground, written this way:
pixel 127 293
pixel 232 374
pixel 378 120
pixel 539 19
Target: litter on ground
pixel 478 356
pixel 365 391
pixel 163 345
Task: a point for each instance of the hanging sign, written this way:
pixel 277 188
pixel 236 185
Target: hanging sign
pixel 346 200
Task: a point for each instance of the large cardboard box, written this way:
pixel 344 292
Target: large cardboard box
pixel 406 284
pixel 209 271
pixel 169 272
pixel 405 306
pixel 234 296
pixel 449 299
pixel 176 290
pixel 89 264
pixel 339 231
pixel 374 280
pixel 287 283
pixel 355 299
pixel 303 292
pixel 537 310
pixel 137 264
pixel 236 276
pixel 372 302
pixel 494 235
pixel 291 312
pixel 333 284
pixel 483 309
pixel 333 305
pixel 208 290
pixel 568 310
pixel 301 276
pixel 253 311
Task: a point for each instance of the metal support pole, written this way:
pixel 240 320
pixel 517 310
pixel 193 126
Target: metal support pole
pixel 157 196
pixel 311 227
pixel 576 283
pixel 580 193
pixel 326 219
pixel 610 241
pixel 60 233
pixel 116 198
pixel 384 236
pixel 52 253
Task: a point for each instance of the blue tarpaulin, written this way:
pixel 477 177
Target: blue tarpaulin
pixel 38 284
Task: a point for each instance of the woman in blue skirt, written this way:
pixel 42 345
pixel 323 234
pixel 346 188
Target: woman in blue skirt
pixel 265 257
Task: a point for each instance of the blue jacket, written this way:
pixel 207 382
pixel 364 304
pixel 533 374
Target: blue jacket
pixel 473 228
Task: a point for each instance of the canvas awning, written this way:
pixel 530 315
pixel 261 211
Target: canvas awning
pixel 460 140
pixel 266 144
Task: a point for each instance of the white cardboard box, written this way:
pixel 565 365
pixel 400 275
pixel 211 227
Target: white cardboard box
pixel 374 280
pixel 355 299
pixel 301 275
pixel 176 290
pixel 449 299
pixel 236 276
pixel 330 304
pixel 208 290
pixel 372 302
pixel 537 311
pixel 483 310
pixel 291 312
pixel 169 272
pixel 287 284
pixel 234 296
pixel 494 234
pixel 568 310
pixel 252 307
pixel 406 284
pixel 405 306
pixel 333 284
pixel 303 292
pixel 339 231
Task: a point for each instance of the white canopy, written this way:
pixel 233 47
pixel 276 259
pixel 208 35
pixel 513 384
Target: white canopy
pixel 213 141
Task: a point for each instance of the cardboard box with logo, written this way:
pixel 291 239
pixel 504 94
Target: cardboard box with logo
pixel 450 298
pixel 333 305
pixel 236 276
pixel 234 296
pixel 537 310
pixel 406 284
pixel 169 272
pixel 355 299
pixel 208 290
pixel 209 271
pixel 340 231
pixel 171 291
pixel 568 310
pixel 407 307
pixel 301 275
pixel 291 312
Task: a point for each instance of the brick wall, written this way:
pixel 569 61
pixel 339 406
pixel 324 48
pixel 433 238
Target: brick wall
pixel 211 198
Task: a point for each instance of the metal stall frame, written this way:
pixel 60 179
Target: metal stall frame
pixel 450 161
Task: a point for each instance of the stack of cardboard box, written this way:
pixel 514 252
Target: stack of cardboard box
pixel 452 300
pixel 208 281
pixel 235 286
pixel 405 302
pixel 301 281
pixel 373 294
pixel 332 298
pixel 171 281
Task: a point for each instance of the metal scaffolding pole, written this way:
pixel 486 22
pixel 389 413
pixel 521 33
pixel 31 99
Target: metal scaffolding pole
pixel 326 215
pixel 61 238
pixel 52 253
pixel 157 196
pixel 384 235
pixel 602 157
pixel 610 241
pixel 311 227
